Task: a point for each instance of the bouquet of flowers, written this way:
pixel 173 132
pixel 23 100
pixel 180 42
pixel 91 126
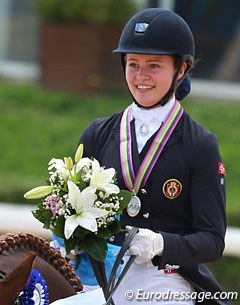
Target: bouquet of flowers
pixel 81 203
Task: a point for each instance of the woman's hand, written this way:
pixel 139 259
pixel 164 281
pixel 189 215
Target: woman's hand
pixel 145 245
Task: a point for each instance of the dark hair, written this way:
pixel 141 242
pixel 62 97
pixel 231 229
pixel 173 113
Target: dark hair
pixel 179 60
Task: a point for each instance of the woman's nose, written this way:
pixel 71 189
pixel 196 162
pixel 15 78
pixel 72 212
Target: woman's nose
pixel 142 73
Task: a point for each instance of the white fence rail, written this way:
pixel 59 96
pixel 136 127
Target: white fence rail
pixel 18 218
pixel 215 90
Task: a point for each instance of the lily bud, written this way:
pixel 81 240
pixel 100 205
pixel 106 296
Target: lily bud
pixel 79 153
pixel 68 163
pixel 39 192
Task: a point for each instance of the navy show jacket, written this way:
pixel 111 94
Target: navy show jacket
pixel 193 224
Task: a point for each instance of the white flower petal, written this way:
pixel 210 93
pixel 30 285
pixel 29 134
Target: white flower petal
pixel 102 178
pixel 87 198
pixel 83 162
pixel 109 173
pixel 74 195
pixel 56 163
pixel 96 212
pixel 87 221
pixel 95 166
pixel 71 224
pixel 111 188
pixel 60 167
pixel 86 213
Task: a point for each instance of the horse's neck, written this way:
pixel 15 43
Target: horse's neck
pixel 13 283
pixel 49 262
pixel 17 267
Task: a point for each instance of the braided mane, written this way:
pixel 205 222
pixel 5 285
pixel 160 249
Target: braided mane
pixel 27 241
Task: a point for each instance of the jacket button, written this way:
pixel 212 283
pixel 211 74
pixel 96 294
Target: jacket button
pixel 146 215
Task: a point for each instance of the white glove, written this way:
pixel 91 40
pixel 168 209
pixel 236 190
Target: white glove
pixel 145 245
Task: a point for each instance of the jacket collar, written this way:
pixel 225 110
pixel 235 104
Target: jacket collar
pixel 175 136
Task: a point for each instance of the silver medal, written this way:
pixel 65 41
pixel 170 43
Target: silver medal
pixel 134 206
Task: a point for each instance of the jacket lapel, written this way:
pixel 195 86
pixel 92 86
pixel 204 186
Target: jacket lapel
pixel 175 136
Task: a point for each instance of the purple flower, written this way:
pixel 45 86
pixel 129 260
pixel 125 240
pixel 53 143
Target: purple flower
pixel 52 203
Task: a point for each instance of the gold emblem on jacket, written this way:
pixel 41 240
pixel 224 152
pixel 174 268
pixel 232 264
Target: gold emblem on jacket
pixel 172 188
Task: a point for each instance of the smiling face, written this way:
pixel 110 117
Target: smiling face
pixel 149 77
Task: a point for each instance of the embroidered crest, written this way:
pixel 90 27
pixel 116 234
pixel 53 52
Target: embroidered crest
pixel 172 188
pixel 221 169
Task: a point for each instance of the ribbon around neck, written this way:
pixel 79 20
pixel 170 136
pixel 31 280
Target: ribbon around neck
pixel 135 182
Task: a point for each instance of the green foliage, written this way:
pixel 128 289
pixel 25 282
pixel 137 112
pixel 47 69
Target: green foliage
pixel 126 197
pixel 103 11
pixel 58 230
pixel 43 216
pixel 96 247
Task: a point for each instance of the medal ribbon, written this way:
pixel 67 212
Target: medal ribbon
pixel 133 182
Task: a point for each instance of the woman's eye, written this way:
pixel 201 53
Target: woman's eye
pixel 132 65
pixel 154 66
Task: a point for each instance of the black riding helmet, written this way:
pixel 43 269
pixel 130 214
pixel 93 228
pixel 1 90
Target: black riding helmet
pixel 158 31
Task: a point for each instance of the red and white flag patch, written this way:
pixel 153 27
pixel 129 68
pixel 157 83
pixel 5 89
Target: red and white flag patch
pixel 221 169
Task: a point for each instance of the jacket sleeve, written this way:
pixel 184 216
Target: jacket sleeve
pixel 87 138
pixel 93 137
pixel 96 134
pixel 207 195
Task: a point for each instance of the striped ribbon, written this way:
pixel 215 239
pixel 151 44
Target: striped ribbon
pixel 132 182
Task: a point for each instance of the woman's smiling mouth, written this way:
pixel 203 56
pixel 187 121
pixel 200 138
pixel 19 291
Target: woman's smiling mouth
pixel 144 87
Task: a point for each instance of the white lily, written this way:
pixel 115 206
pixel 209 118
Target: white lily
pixel 82 163
pixel 102 178
pixel 86 214
pixel 60 166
